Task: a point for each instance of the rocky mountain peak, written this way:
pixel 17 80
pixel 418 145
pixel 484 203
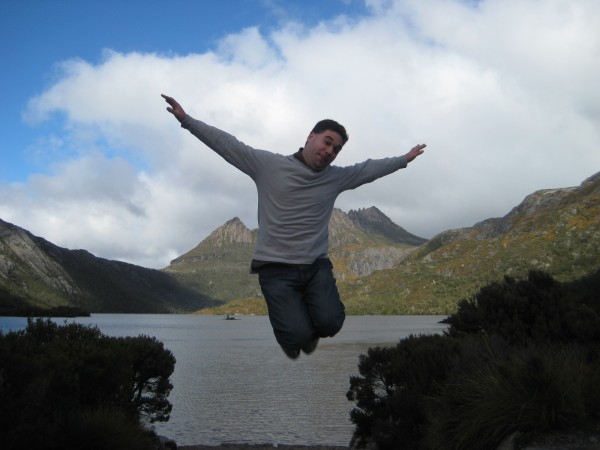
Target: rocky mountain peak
pixel 231 232
pixel 371 213
pixel 342 229
pixel 374 221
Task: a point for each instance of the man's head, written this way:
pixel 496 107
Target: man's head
pixel 328 124
pixel 324 143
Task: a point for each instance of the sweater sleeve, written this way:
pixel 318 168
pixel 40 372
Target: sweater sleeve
pixel 235 152
pixel 370 170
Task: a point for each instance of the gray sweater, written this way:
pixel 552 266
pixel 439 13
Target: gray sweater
pixel 294 201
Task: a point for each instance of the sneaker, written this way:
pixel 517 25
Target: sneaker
pixel 311 346
pixel 292 354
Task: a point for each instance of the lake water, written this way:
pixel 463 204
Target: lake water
pixel 233 384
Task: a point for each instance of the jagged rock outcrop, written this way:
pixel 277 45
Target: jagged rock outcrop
pixel 232 232
pixel 343 230
pixel 366 240
pixel 369 260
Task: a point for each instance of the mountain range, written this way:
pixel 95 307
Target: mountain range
pixel 380 267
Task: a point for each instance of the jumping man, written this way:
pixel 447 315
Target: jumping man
pixel 296 195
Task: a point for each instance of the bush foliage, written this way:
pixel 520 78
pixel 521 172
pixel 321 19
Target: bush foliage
pixel 520 355
pixel 57 381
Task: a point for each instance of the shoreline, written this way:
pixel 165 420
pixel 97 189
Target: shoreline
pixel 261 447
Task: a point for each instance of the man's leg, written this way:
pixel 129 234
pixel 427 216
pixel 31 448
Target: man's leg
pixel 322 298
pixel 283 287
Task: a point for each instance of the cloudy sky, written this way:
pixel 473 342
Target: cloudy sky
pixel 505 93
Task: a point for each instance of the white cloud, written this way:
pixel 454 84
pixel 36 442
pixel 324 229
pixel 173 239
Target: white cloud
pixel 503 92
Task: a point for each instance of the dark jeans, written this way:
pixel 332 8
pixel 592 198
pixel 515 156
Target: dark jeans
pixel 303 302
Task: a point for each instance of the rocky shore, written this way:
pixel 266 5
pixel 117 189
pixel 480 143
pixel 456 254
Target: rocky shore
pixel 576 440
pixel 588 439
pixel 260 447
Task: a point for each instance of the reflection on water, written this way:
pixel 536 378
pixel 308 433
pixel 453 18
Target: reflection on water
pixel 232 383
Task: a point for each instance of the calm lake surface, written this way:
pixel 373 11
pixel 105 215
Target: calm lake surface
pixel 233 384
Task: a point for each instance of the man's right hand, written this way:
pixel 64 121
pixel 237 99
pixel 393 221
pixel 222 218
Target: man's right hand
pixel 174 108
pixel 415 151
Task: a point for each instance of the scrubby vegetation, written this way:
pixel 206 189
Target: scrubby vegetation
pixel 520 355
pixel 70 387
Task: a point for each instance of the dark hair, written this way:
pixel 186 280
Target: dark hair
pixel 332 125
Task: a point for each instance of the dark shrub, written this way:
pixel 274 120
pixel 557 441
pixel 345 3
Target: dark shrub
pixel 533 389
pixel 538 309
pixel 389 393
pixel 104 429
pixel 51 375
pixel 521 355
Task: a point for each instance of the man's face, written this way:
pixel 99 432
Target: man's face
pixel 321 149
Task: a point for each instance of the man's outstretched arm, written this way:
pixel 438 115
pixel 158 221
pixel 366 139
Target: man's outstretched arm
pixel 224 144
pixel 174 108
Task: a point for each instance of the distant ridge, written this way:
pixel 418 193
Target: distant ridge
pixel 554 230
pixel 380 267
pixel 37 273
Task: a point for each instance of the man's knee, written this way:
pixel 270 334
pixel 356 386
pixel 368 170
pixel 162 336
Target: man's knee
pixel 330 325
pixel 295 336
